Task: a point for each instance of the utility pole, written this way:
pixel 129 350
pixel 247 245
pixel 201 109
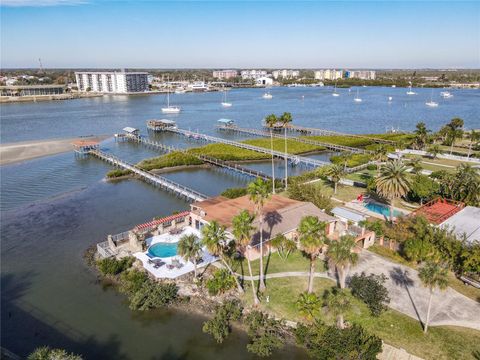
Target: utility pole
pixel 41 66
pixel 286 159
pixel 273 165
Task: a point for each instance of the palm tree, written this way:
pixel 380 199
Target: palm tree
pixel 270 121
pixel 474 138
pixel 216 241
pixel 392 182
pixel 190 249
pixel 286 118
pixel 432 276
pixel 421 135
pixel 242 230
pixel 415 163
pixel 258 194
pixel 335 172
pixel 312 240
pixel 454 131
pixel 338 302
pixel 308 305
pixel 434 151
pixel 380 154
pixel 341 255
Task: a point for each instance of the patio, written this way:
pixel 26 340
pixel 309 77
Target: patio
pixel 173 266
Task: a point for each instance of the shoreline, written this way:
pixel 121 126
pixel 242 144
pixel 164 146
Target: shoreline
pixel 12 153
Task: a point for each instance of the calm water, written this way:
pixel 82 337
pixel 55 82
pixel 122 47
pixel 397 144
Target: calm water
pixel 54 208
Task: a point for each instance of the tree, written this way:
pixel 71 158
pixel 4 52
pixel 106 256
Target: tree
pixel 371 291
pixel 258 194
pixel 217 244
pixel 432 276
pixel 242 230
pixel 434 151
pixel 421 135
pixel 153 295
pixel 335 173
pixel 270 121
pixel 419 249
pixel 286 118
pixel 454 131
pixel 380 154
pixel 392 182
pixel 265 333
pixel 47 353
pixel 341 255
pixel 338 303
pixel 308 305
pixel 190 248
pixel 423 188
pixel 219 326
pixel 284 246
pixel 415 163
pixel 312 239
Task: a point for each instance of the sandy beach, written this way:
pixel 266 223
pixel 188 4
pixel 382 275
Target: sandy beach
pixel 27 150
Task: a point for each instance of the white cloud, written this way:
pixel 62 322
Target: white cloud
pixel 40 3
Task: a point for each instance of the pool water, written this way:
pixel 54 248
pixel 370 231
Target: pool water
pixel 382 209
pixel 163 250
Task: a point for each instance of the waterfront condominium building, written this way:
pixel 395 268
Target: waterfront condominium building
pixel 285 74
pixel 112 81
pixel 360 74
pixel 328 74
pixel 225 74
pixel 253 74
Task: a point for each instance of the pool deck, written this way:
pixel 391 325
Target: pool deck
pixel 358 206
pixel 163 272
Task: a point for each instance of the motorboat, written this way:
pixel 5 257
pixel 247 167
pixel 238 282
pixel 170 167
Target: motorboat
pixel 267 95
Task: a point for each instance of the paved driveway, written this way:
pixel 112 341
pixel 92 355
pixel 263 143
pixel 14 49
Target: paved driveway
pixel 409 296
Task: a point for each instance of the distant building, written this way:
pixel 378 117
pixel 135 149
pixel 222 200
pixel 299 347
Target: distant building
pixel 285 74
pixel 11 81
pixel 328 74
pixel 264 81
pixel 32 90
pixel 112 82
pixel 360 74
pixel 225 74
pixel 253 74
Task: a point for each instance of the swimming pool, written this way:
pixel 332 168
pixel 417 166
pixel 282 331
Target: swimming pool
pixel 381 209
pixel 163 249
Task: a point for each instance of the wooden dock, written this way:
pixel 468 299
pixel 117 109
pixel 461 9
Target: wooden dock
pixel 155 179
pixel 264 133
pixel 294 159
pixel 323 132
pixel 210 160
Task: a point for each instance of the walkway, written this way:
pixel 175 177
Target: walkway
pixel 165 183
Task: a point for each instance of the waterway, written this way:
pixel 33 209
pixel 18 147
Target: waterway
pixel 53 208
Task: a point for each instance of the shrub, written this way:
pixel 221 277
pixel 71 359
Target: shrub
pixel 221 282
pixel 371 291
pixel 112 266
pixel 132 281
pixel 312 193
pixel 46 353
pixel 175 158
pixel 352 160
pixel 371 167
pixel 233 193
pixel 152 295
pixel 117 173
pixel 328 342
pixel 219 326
pixel 266 334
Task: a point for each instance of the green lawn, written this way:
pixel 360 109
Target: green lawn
pixel 362 175
pixel 393 327
pixel 344 192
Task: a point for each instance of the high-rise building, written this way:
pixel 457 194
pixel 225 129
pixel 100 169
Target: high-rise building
pixel 225 74
pixel 112 82
pixel 328 74
pixel 360 74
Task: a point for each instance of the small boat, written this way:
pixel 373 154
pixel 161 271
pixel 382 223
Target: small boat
pixel 390 99
pixel 267 95
pixel 446 94
pixel 431 103
pixel 170 109
pixel 410 92
pixel 180 91
pixel 357 98
pixel 225 103
pixel 394 86
pixel 335 90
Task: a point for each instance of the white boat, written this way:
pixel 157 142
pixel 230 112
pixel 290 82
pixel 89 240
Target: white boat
pixel 170 109
pixel 225 103
pixel 446 94
pixel 410 92
pixel 357 99
pixel 390 98
pixel 180 91
pixel 394 86
pixel 431 103
pixel 267 95
pixel 335 90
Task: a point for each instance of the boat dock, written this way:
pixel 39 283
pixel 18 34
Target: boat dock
pixel 294 159
pixel 323 132
pixel 155 179
pixel 264 133
pixel 210 160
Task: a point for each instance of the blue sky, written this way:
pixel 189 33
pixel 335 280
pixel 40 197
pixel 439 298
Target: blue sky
pixel 222 34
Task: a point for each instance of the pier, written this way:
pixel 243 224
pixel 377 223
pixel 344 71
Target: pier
pixel 264 133
pixel 323 132
pixel 210 160
pixel 155 179
pixel 294 159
